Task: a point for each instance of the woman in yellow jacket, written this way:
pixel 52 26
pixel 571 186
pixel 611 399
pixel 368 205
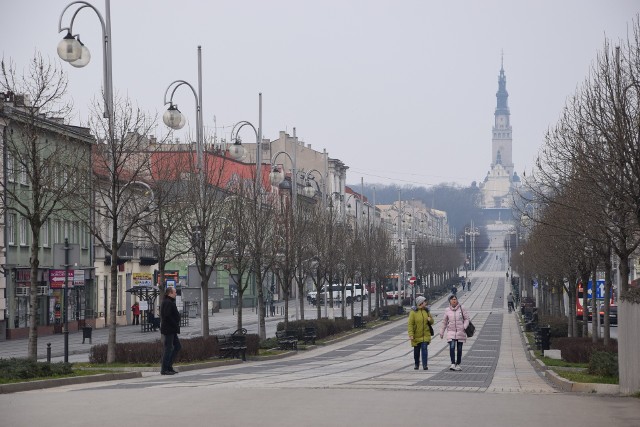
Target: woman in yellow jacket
pixel 419 334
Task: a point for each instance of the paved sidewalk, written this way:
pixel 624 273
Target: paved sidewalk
pixel 225 321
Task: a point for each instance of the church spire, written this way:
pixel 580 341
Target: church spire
pixel 502 95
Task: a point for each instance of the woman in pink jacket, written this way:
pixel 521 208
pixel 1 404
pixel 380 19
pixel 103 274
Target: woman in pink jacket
pixel 455 320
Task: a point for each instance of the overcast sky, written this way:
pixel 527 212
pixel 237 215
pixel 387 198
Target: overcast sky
pixel 400 91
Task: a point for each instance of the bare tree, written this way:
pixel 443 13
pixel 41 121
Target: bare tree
pixel 206 190
pixel 121 160
pixel 261 211
pixel 46 160
pixel 238 241
pixel 170 207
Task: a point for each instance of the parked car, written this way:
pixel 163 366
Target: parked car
pixel 613 314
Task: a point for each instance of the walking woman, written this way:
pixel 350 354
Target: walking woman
pixel 455 320
pixel 419 334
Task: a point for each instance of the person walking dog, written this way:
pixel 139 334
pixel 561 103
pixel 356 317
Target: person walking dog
pixel 454 322
pixel 420 332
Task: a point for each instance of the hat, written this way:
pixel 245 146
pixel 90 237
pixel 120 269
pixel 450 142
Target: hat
pixel 451 296
pixel 420 300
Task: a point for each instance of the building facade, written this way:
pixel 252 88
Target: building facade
pixel 61 156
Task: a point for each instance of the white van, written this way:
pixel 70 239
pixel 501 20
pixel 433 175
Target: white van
pixel 312 296
pixel 361 292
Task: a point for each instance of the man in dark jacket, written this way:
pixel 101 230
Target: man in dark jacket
pixel 169 328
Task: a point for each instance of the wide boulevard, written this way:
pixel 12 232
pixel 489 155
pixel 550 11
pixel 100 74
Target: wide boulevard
pixel 366 380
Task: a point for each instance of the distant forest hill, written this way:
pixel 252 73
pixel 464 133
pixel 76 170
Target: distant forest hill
pixel 462 204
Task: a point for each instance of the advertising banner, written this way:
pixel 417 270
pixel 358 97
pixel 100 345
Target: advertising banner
pixel 142 279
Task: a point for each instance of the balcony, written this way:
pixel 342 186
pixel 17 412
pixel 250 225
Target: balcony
pixel 124 254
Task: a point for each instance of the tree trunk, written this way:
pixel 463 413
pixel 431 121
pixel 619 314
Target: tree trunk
pixel 32 350
pixel 113 295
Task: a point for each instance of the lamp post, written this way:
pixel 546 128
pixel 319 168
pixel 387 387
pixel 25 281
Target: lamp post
pixel 522 282
pixel 72 50
pixel 236 153
pixel 472 232
pixel 466 260
pixel 174 119
pixel 277 175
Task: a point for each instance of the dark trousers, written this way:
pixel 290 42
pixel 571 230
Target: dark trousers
pixel 171 348
pixel 455 359
pixel 422 347
pixel 136 319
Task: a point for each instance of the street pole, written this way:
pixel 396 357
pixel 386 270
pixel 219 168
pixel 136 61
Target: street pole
pixel 65 315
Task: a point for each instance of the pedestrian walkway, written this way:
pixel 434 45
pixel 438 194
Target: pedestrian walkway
pixel 222 322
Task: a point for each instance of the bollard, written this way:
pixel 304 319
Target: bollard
pixel 48 352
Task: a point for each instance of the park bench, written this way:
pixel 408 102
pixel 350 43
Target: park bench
pixel 233 346
pixel 309 335
pixel 286 341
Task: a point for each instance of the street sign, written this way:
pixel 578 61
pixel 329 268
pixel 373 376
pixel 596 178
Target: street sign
pixel 412 280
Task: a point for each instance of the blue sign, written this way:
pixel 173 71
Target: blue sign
pixel 599 289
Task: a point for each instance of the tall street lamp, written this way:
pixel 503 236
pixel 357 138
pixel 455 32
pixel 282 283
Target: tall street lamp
pixel 174 119
pixel 72 50
pixel 472 232
pixel 277 176
pixel 237 151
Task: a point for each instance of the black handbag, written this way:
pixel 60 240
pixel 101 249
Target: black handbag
pixel 431 330
pixel 469 330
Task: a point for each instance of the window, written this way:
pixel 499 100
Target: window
pixel 44 234
pixel 23 231
pixel 56 231
pixel 24 179
pixel 10 167
pixel 11 229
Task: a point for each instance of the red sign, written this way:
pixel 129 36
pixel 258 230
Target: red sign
pixel 412 280
pixel 56 279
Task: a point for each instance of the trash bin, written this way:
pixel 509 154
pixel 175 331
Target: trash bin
pixel 357 321
pixel 86 333
pixel 545 334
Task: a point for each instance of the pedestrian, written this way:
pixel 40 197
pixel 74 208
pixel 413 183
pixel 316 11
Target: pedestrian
pixel 469 285
pixel 463 285
pixel 170 329
pixel 510 302
pixel 419 332
pixel 454 322
pixel 454 290
pixel 135 309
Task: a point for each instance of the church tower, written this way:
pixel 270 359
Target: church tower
pixel 501 179
pixel 501 142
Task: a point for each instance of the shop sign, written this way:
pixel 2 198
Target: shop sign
pixel 142 279
pixel 56 279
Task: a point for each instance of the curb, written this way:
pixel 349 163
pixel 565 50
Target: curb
pixel 59 382
pixel 565 384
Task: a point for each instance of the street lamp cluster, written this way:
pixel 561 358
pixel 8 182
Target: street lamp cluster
pixel 472 232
